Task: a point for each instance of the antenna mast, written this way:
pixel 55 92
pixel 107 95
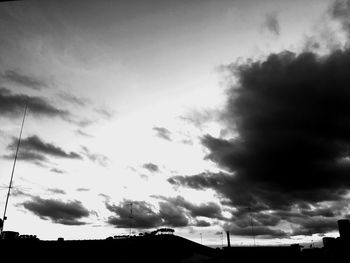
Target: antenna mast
pixel 131 218
pixel 13 169
pixel 251 223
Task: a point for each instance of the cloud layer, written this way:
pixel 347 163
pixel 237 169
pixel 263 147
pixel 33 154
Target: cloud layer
pixel 163 133
pixel 272 24
pixel 98 158
pixel 33 148
pixel 151 167
pixel 292 150
pixel 171 212
pixel 24 80
pixel 13 105
pixel 66 213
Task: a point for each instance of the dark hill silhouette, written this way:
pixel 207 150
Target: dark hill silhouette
pixel 162 246
pixel 158 248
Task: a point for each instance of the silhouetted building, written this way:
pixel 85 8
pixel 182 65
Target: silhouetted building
pixel 296 247
pixel 344 229
pixel 329 242
pixel 9 235
pixel 28 237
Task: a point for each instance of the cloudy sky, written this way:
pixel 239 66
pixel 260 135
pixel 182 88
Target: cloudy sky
pixel 204 115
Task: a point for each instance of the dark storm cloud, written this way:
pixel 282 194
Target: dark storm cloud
pixel 151 167
pixel 35 144
pixel 66 213
pixel 291 113
pixel 324 212
pixel 265 219
pixel 163 133
pixel 142 213
pixel 24 80
pixel 259 219
pixel 312 225
pixel 291 116
pixel 145 216
pixel 221 182
pixel 172 215
pixel 202 223
pixel 37 158
pixel 100 159
pixel 13 105
pixel 272 24
pixel 210 209
pixel 340 11
pixel 35 149
pixel 258 231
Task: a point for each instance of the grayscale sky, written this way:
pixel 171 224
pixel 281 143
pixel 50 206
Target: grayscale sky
pixel 122 96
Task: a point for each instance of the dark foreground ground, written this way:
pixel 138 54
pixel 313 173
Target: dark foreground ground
pixel 160 248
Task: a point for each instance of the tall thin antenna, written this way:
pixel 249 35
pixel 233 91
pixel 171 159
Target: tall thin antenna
pixel 222 239
pixel 131 218
pixel 13 169
pixel 251 223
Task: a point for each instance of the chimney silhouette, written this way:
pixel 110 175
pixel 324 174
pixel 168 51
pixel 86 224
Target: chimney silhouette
pixel 344 228
pixel 228 238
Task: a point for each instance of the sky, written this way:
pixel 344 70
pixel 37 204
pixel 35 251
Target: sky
pixel 204 116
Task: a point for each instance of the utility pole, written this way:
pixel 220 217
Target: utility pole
pixel 251 223
pixel 131 218
pixel 13 170
pixel 222 239
pixel 228 238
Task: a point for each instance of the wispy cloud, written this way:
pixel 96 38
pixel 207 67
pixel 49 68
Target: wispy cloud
pixel 35 149
pixel 201 117
pixel 83 189
pixel 24 80
pixel 163 133
pixel 271 23
pixel 58 171
pixel 151 167
pixel 82 133
pixel 56 191
pixel 13 105
pixel 100 159
pixel 107 114
pixel 68 97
